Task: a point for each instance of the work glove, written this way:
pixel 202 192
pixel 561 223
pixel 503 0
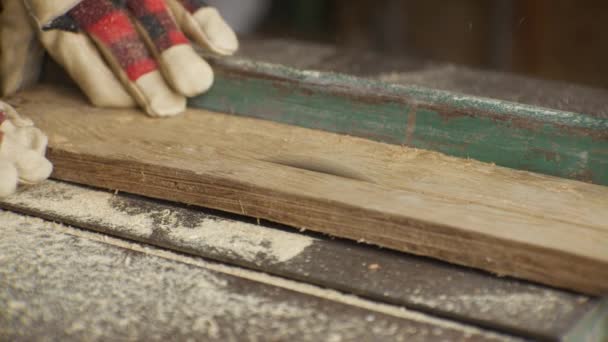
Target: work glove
pixel 124 53
pixel 20 51
pixel 22 151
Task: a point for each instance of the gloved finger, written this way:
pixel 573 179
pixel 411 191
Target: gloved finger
pixel 3 119
pixel 8 178
pixel 28 137
pixel 22 54
pixel 79 57
pixel 32 167
pixel 204 25
pixel 8 172
pixel 77 54
pixel 13 118
pixel 32 139
pixel 182 67
pixel 21 129
pixel 108 24
pixel 38 140
pixel 22 152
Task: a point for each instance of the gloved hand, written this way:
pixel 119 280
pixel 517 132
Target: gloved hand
pixel 22 150
pixel 133 52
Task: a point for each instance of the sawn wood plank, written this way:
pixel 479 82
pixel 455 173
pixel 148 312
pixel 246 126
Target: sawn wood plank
pixel 541 228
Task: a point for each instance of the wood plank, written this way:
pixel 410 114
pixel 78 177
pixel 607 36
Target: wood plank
pixel 65 284
pixel 545 229
pixel 550 141
pixel 459 294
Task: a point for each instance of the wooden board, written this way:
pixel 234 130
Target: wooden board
pixel 439 289
pixel 62 283
pixel 536 227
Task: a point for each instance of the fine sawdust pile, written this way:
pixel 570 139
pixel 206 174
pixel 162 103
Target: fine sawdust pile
pixel 201 232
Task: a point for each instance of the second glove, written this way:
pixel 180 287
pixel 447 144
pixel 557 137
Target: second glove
pixel 22 151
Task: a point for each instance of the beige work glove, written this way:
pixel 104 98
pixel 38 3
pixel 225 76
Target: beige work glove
pixel 22 151
pixel 133 52
pixel 20 51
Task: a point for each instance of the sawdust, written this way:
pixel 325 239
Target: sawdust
pixel 451 303
pixel 74 270
pixel 301 56
pixel 248 241
pixel 61 199
pixel 544 308
pixel 517 304
pixel 505 86
pixel 76 284
pixel 244 240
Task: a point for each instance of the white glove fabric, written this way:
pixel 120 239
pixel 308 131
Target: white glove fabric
pixel 22 151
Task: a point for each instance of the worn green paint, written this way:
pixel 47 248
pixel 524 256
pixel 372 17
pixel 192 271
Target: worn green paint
pixel 593 326
pixel 558 143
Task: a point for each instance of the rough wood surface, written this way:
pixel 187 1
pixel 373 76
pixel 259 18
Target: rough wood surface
pixel 457 293
pixel 60 283
pixel 536 227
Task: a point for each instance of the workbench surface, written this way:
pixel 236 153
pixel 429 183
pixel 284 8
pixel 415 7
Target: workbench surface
pixel 119 266
pixel 131 267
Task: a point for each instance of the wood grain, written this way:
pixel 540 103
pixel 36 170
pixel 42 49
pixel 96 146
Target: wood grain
pixel 545 229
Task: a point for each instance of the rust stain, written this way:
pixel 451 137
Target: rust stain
pixel 553 156
pixel 585 175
